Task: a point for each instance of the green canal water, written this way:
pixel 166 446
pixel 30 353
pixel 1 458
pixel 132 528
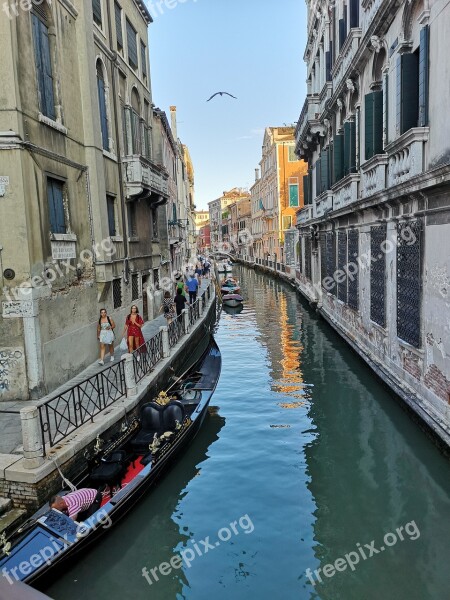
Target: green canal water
pixel 305 461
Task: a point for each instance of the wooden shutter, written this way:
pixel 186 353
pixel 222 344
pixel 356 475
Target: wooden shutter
pixel 385 109
pixel 349 147
pixel 110 203
pixel 56 206
pixel 102 107
pixel 338 157
pixel 424 75
pixel 342 33
pixel 407 92
pixel 144 59
pixel 368 119
pixel 118 18
pixel 43 67
pixel 328 65
pixel 354 14
pixel 97 11
pixel 318 178
pixel 373 113
pixel 324 169
pixel 132 46
pixel 306 190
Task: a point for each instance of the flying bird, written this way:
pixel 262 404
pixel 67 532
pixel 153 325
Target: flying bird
pixel 221 93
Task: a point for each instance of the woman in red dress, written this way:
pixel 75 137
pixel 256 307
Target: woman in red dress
pixel 133 329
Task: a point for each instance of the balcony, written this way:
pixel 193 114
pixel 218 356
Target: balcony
pixel 346 55
pixel 369 9
pixel 406 156
pixel 373 175
pixel 324 204
pixel 143 178
pixel 304 215
pixel 346 191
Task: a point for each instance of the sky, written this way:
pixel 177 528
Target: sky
pixel 252 49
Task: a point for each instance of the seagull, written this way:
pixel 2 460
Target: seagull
pixel 221 93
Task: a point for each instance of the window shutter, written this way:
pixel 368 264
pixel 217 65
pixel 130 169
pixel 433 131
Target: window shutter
pixel 349 147
pixel 324 169
pixel 56 206
pixel 408 92
pixel 110 203
pixel 37 59
pixel 338 158
pixel 328 65
pixel 369 133
pixel 118 16
pixel 306 189
pixel 346 148
pixel 424 75
pixel 354 14
pixel 342 33
pixel 318 178
pixel 97 11
pixel 378 122
pixel 102 108
pixel 144 59
pixel 132 46
pixel 43 67
pixel 385 110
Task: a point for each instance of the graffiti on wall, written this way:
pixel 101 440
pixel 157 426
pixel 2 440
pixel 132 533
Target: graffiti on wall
pixel 11 367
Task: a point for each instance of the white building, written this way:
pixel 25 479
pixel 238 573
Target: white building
pixel 375 230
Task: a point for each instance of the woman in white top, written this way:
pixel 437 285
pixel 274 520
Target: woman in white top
pixel 105 335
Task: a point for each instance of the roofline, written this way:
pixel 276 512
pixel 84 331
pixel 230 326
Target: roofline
pixel 144 11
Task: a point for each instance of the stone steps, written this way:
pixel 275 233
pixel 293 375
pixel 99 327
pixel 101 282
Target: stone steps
pixel 11 519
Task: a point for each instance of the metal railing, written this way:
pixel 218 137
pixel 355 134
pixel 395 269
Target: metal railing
pixel 147 356
pixel 67 411
pixel 176 330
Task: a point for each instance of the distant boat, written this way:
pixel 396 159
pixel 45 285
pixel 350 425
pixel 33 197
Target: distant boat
pixel 225 267
pixel 232 300
pixel 233 310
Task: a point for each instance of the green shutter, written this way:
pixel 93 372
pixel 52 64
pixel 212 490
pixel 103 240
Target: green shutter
pixel 318 178
pixel 338 158
pixel 306 189
pixel 324 169
pixel 144 59
pixel 398 99
pixel 352 149
pixel 385 109
pixel 347 136
pixel 132 46
pixel 97 11
pixel 378 122
pixel 409 91
pixel 424 75
pixel 118 17
pixel 369 121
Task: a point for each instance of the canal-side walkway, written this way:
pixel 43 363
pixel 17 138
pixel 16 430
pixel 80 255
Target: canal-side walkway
pixel 10 423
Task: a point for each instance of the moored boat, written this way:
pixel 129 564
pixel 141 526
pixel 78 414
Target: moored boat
pixel 232 300
pixel 127 468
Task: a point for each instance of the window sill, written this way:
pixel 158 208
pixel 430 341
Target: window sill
pixel 133 239
pixel 51 123
pixel 116 238
pixel 63 237
pixel 110 155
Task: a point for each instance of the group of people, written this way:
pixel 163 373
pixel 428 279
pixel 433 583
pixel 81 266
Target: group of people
pixel 132 331
pixel 186 289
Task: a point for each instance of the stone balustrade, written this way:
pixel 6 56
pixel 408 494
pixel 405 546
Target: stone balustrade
pixel 346 55
pixel 324 203
pixel 305 214
pixel 373 178
pixel 406 156
pixel 345 191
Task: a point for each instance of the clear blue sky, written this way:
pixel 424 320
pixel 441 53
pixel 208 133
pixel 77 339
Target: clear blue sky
pixel 250 48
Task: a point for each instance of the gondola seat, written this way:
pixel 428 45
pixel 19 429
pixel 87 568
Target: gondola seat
pixel 156 419
pixel 111 469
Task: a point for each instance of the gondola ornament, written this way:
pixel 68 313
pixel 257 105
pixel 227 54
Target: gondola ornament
pixel 154 446
pixel 98 444
pixel 5 545
pixel 177 425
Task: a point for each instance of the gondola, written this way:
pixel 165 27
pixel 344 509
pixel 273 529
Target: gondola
pixel 232 300
pixel 126 468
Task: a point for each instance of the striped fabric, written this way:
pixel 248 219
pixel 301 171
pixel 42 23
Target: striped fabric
pixel 79 500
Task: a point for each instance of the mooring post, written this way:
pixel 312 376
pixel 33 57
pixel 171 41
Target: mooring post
pixel 165 340
pixel 130 377
pixel 33 451
pixel 186 319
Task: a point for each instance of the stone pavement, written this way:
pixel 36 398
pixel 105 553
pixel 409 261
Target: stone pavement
pixel 10 428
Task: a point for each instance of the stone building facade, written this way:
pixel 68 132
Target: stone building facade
pixel 374 250
pixel 82 198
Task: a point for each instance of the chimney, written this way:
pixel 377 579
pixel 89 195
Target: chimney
pixel 173 121
pixel 256 174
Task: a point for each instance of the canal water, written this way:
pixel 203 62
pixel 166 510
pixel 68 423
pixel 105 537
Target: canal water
pixel 305 461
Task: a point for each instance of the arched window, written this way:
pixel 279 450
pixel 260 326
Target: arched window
pixel 42 57
pixel 102 105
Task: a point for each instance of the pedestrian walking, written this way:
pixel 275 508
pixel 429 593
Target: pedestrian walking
pixel 180 285
pixel 180 301
pixel 168 307
pixel 192 286
pixel 133 329
pixel 105 335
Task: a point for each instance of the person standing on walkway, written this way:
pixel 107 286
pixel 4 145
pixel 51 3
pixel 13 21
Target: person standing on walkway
pixel 180 285
pixel 168 307
pixel 105 335
pixel 180 301
pixel 192 286
pixel 133 329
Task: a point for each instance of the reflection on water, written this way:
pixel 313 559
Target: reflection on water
pixel 318 455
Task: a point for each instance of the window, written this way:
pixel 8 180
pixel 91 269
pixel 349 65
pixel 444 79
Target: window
pixel 293 191
pixel 378 275
pixel 102 106
pixel 409 281
pixel 111 206
pixel 342 263
pixel 43 62
pixel 144 60
pixel 308 269
pixel 117 292
pixel 353 280
pixel 338 158
pixel 155 222
pixel 134 286
pixel 55 195
pixel 132 223
pixel 119 34
pixel 373 112
pixel 349 147
pixel 156 278
pixel 136 134
pixel 292 156
pixel 287 222
pixel 132 46
pixel 97 12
